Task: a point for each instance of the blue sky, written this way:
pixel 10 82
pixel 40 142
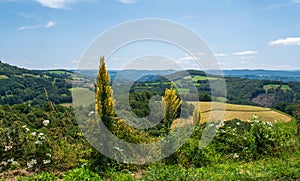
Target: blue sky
pixel 252 34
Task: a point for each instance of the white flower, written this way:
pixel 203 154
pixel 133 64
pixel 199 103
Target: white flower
pixel 31 163
pixel 46 162
pixel 41 136
pixel 91 113
pixel 255 117
pixel 211 125
pixel 220 125
pixel 269 123
pixel 10 160
pixel 235 155
pixel 3 163
pixel 33 133
pixel 24 126
pixel 46 122
pixel 48 155
pixel 38 142
pixel 7 148
pixel 238 123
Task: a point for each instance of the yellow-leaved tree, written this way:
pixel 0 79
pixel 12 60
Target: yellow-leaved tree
pixel 104 102
pixel 170 104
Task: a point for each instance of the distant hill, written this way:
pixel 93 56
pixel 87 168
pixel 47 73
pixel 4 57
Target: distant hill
pixel 281 75
pixel 20 85
pixel 239 90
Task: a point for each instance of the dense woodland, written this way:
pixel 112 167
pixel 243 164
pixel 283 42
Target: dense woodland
pixel 33 87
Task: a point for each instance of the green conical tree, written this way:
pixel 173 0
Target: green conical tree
pixel 170 104
pixel 104 102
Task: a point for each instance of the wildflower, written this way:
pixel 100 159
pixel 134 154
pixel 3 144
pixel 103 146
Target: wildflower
pixel 91 113
pixel 38 142
pixel 220 125
pixel 255 116
pixel 46 122
pixel 12 161
pixel 238 123
pixel 41 136
pixel 48 155
pixel 33 133
pixel 3 163
pixel 7 148
pixel 235 155
pixel 24 126
pixel 46 162
pixel 269 123
pixel 31 163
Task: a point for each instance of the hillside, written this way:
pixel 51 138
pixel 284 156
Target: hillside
pixel 20 85
pixel 268 93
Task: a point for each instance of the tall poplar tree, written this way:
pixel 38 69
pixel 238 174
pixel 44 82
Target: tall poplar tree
pixel 170 104
pixel 104 102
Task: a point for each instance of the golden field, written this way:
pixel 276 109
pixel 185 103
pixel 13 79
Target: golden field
pixel 223 111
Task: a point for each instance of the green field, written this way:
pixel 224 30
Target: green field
pixel 82 96
pixel 3 77
pixel 214 111
pixel 196 78
pixel 285 87
pixel 275 86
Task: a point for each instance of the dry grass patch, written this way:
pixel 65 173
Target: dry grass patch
pixel 214 111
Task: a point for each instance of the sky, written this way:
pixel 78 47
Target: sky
pixel 242 34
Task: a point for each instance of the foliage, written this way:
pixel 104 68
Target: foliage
pixel 43 176
pixel 104 103
pixel 27 86
pixel 38 139
pixel 81 174
pixel 170 104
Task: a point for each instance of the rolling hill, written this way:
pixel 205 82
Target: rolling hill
pixel 33 87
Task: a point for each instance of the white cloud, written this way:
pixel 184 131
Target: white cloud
pixel 243 53
pixel 50 24
pixel 127 1
pixel 28 27
pixel 193 57
pixel 220 54
pixel 285 41
pixel 56 4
